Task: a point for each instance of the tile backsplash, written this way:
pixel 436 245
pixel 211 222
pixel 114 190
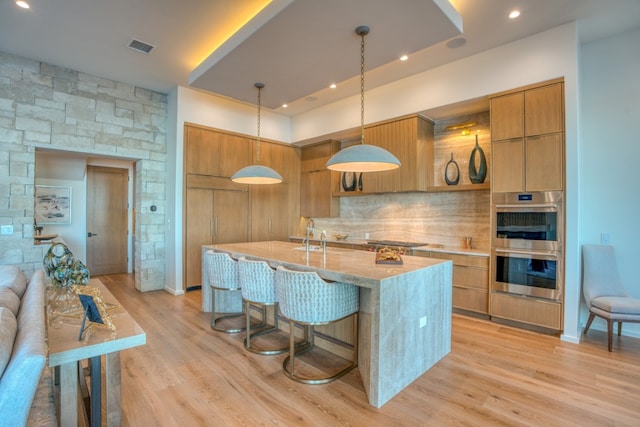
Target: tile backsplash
pixel 441 218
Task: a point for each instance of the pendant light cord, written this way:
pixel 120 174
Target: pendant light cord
pixel 362 34
pixel 259 86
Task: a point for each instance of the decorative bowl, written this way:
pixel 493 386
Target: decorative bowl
pixel 341 236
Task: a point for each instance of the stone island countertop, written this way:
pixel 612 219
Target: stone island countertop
pixel 405 310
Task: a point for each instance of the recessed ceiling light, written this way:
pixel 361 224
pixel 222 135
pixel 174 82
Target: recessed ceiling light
pixel 332 85
pixel 23 4
pixel 404 58
pixel 514 14
pixel 284 105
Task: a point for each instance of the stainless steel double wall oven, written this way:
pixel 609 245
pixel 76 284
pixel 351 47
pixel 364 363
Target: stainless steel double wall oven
pixel 527 244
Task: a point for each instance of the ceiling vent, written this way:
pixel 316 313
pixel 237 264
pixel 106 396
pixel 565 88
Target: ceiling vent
pixel 140 46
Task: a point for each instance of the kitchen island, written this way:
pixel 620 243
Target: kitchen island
pixel 405 310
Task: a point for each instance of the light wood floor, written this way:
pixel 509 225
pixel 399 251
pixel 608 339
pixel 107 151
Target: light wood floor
pixel 189 375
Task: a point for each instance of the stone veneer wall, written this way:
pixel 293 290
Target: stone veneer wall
pixel 50 107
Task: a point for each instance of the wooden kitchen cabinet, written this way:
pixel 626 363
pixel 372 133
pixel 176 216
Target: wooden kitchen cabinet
pixel 544 110
pixel 216 212
pixel 507 116
pixel 470 280
pixel 215 153
pixel 532 311
pixel 544 162
pixel 411 140
pixel 317 183
pixel 274 207
pixel 315 157
pixel 527 133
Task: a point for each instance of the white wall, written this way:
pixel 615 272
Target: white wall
pixel 610 152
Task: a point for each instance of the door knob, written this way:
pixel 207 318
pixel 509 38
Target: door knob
pixel 90 234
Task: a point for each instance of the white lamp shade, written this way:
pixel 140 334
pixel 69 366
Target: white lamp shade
pixel 256 174
pixel 363 158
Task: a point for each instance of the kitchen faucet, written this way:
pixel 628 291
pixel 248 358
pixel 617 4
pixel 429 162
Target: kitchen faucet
pixel 323 240
pixel 310 229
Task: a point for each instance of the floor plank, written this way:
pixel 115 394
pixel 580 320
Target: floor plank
pixel 495 375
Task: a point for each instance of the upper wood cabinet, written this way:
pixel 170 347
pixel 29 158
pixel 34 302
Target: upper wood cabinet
pixel 317 183
pixel 544 110
pixel 209 152
pixel 527 132
pixel 315 157
pixel 507 116
pixel 410 139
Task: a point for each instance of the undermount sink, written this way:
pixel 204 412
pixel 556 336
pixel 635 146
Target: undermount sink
pixel 312 248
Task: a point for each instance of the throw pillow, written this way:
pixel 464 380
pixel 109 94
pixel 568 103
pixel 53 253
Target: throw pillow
pixel 13 278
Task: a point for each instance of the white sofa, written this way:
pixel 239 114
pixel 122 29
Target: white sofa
pixel 23 351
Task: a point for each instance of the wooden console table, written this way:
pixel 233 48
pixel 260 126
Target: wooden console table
pixel 66 352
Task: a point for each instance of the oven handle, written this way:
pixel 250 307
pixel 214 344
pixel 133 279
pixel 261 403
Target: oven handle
pixel 539 205
pixel 550 254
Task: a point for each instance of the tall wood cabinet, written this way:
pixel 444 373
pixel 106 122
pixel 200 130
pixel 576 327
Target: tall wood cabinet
pixel 274 207
pixel 527 132
pixel 410 139
pixel 217 210
pixel 317 183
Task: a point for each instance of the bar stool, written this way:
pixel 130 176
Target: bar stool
pixel 223 277
pixel 257 281
pixel 306 298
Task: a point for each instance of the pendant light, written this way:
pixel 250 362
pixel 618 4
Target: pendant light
pixel 362 157
pixel 257 174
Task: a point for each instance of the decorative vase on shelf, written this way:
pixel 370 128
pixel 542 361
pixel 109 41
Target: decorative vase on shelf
pixel 349 181
pixel 452 177
pixel 477 176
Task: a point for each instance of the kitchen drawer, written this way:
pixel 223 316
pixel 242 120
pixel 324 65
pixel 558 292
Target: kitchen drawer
pixel 471 277
pixel 547 314
pixel 471 299
pixel 467 260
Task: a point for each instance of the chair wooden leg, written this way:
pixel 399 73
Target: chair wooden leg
pixel 619 328
pixel 610 332
pixel 588 325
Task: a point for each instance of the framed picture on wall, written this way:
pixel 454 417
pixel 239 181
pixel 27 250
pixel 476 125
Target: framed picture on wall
pixel 53 204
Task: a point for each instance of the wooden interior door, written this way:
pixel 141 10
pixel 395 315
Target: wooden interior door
pixel 107 229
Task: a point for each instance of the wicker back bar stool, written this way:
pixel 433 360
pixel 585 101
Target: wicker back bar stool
pixel 223 277
pixel 257 281
pixel 307 299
